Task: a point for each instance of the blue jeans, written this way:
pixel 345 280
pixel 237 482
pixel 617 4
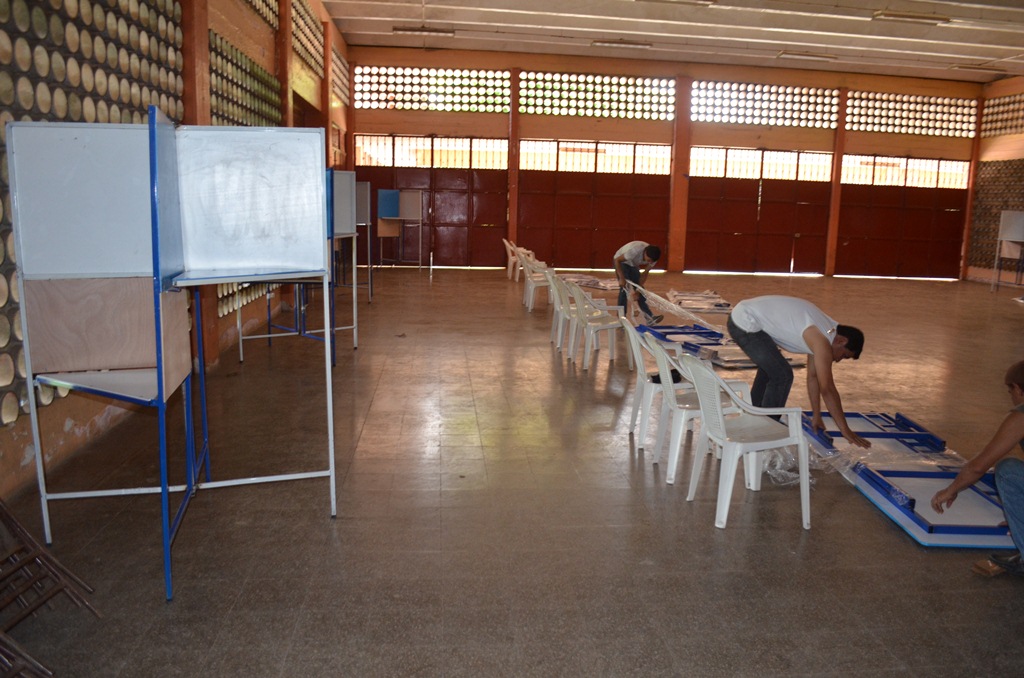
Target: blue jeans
pixel 632 274
pixel 1010 484
pixel 774 373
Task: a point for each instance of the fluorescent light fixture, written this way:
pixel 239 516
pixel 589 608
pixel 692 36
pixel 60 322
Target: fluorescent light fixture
pixel 978 68
pixel 692 3
pixel 911 17
pixel 806 56
pixel 423 30
pixel 628 44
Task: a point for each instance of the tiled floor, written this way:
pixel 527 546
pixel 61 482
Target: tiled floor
pixel 495 518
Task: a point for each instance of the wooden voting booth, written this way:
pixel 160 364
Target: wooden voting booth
pixel 397 211
pixel 102 282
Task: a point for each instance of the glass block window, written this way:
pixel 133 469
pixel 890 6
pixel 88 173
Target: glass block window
pixel 575 156
pixel 433 89
pixel 780 164
pixel 267 9
pixel 308 36
pixel 910 114
pixel 815 167
pixel 755 104
pixel 1003 115
pixel 538 155
pixel 599 96
pixel 452 153
pixel 374 150
pixel 490 154
pixel 653 159
pixel 241 91
pixel 707 162
pixel 339 78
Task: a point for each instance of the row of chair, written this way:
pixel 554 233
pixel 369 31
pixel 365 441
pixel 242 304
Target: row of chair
pixel 690 390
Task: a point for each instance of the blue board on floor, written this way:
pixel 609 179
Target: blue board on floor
pixel 906 465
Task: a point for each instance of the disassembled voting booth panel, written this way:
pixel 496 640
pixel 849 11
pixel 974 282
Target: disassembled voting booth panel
pixel 901 471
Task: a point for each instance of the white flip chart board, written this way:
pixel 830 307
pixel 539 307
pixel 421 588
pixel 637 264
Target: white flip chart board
pixel 81 197
pixel 252 199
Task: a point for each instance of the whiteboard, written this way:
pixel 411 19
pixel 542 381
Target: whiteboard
pixel 252 198
pixel 80 199
pixel 344 202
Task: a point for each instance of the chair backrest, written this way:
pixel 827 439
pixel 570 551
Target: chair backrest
pixel 633 339
pixel 709 392
pixel 661 359
pixel 558 292
pixel 584 305
pixel 510 248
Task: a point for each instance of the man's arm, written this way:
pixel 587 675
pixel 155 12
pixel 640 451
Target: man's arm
pixel 1006 437
pixel 821 386
pixel 618 270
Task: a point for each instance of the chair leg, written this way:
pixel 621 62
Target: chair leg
pixel 805 483
pixel 679 421
pixel 753 465
pixel 645 411
pixel 638 396
pixel 663 423
pixel 726 479
pixel 588 347
pixel 698 466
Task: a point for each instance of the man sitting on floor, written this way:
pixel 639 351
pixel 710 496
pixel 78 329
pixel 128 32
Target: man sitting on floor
pixel 1009 472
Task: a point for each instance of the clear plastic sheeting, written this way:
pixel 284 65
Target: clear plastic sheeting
pixel 847 457
pixel 782 465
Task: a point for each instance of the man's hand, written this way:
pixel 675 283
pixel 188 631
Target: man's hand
pixel 856 439
pixel 817 424
pixel 943 499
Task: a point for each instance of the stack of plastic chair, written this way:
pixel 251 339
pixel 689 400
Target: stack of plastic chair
pixel 562 318
pixel 533 273
pixel 591 318
pixel 747 434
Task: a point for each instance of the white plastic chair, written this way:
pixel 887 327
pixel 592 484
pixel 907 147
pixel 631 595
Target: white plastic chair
pixel 679 408
pixel 646 386
pixel 591 318
pixel 533 273
pixel 747 434
pixel 513 267
pixel 563 308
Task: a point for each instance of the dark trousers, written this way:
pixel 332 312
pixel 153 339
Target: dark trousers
pixel 632 274
pixel 774 373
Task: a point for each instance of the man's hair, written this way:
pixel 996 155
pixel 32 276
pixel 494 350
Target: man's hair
pixel 1015 375
pixel 653 252
pixel 854 339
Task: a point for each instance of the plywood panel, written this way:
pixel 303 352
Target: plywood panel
pixel 90 324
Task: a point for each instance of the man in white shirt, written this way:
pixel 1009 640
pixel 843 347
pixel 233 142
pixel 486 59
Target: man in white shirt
pixel 762 324
pixel 633 262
